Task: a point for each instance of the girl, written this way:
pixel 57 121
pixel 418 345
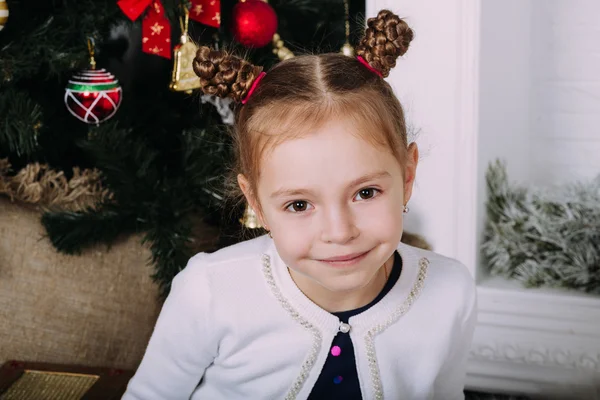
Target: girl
pixel 330 304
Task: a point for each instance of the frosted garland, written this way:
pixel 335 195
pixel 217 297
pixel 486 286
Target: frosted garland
pixel 543 237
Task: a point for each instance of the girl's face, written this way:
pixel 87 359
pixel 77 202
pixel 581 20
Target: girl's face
pixel 333 203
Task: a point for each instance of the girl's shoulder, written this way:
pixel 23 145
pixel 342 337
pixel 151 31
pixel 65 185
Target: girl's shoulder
pixel 446 278
pixel 441 267
pixel 238 258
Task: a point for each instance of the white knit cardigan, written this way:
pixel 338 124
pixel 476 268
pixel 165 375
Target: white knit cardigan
pixel 235 326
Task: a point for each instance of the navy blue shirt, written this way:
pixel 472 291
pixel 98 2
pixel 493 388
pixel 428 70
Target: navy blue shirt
pixel 339 378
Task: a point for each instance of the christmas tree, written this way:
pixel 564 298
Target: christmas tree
pixel 99 131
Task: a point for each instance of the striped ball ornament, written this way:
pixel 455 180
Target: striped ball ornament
pixel 93 96
pixel 3 13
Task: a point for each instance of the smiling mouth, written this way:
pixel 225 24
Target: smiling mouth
pixel 347 259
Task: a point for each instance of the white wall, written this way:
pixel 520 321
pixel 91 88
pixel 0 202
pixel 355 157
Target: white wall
pixel 505 87
pixel 540 88
pixel 565 90
pixel 430 84
pixel 504 96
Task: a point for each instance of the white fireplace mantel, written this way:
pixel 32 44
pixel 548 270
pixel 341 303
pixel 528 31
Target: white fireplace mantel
pixel 538 342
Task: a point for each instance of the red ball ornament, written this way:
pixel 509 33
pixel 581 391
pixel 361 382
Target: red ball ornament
pixel 93 96
pixel 254 23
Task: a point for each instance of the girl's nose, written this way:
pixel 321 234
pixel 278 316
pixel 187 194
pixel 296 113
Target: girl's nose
pixel 339 226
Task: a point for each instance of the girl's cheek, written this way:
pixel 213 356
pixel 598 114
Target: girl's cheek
pixel 296 230
pixel 384 218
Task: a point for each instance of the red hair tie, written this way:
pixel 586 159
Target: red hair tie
pixel 366 64
pixel 254 85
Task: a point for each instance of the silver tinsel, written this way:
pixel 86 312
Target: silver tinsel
pixel 223 107
pixel 543 237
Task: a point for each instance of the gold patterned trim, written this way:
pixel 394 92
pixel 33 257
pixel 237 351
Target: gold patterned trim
pixel 399 312
pixel 309 362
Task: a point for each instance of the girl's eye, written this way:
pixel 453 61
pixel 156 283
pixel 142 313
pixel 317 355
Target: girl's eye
pixel 366 194
pixel 298 206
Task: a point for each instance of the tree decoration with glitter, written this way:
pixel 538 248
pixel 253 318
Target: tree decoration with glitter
pixel 93 96
pixel 254 23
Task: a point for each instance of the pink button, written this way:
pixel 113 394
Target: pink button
pixel 336 351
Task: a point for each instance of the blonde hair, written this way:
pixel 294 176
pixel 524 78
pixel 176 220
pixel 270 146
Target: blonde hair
pixel 299 94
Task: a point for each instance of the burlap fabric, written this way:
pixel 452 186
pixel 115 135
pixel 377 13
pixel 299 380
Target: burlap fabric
pixel 97 309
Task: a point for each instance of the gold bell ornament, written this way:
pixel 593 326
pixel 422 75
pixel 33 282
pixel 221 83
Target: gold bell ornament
pixel 184 79
pixel 3 13
pixel 250 220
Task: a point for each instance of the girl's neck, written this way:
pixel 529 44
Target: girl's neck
pixel 344 301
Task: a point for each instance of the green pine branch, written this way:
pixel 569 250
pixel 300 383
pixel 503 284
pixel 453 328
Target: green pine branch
pixel 53 39
pixel 21 123
pixel 71 232
pixel 170 245
pixel 152 195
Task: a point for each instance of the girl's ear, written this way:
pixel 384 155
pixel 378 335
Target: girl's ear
pixel 412 159
pixel 251 198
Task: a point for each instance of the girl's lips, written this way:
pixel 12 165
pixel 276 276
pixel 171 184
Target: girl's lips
pixel 347 259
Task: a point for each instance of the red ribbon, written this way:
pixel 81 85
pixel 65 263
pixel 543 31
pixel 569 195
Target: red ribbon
pixel 207 12
pixel 156 29
pixel 366 64
pixel 253 87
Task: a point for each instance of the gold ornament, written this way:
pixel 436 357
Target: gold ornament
pixel 250 220
pixel 347 48
pixel 184 79
pixel 92 51
pixel 3 13
pixel 282 52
